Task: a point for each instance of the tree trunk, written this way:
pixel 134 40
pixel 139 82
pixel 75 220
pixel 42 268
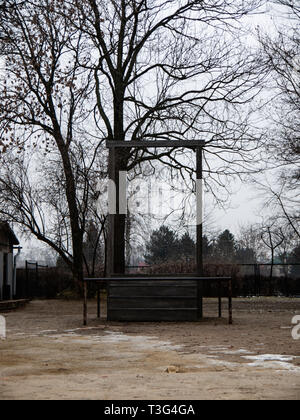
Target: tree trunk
pixel 271 274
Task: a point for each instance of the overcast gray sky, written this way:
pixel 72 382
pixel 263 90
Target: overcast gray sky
pixel 245 201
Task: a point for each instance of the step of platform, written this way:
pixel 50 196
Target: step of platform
pixel 10 305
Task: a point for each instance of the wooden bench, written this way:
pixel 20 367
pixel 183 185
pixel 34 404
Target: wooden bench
pixel 159 298
pixel 10 305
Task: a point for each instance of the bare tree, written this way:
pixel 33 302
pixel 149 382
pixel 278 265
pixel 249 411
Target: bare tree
pixel 171 70
pixel 249 237
pixel 32 196
pixel 281 55
pixel 147 69
pixel 272 238
pixel 43 104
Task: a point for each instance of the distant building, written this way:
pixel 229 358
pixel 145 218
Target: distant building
pixel 7 278
pixel 142 268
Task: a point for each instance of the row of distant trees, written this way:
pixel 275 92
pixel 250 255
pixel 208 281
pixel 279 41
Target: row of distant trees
pixel 164 245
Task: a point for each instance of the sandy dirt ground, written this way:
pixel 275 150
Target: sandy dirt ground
pixel 49 355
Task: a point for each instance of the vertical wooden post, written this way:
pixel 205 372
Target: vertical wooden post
pixel 111 217
pixel 84 302
pixel 98 300
pixel 199 175
pixel 37 272
pixel 199 242
pixel 199 299
pixel 27 280
pixel 116 221
pixel 230 301
pixel 220 299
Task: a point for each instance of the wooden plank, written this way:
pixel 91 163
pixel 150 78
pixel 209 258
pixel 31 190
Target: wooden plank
pixel 8 305
pixel 145 144
pixel 155 303
pixel 155 315
pixel 159 278
pixel 151 283
pixel 152 291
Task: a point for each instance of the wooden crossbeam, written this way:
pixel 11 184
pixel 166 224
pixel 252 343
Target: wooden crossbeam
pixel 145 144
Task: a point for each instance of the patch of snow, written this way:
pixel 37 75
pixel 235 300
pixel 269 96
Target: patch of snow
pixel 275 364
pixel 216 348
pixel 233 352
pixel 224 363
pixel 141 342
pixel 273 361
pixel 84 329
pixel 48 331
pixel 272 357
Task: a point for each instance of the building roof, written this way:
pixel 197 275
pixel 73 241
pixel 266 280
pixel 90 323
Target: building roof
pixel 6 229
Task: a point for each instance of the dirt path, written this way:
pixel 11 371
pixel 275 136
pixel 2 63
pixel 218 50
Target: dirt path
pixel 48 355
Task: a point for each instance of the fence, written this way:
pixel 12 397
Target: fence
pixel 249 279
pixel 269 279
pixel 41 281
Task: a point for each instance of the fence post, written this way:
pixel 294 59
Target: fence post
pixel 84 302
pixel 98 300
pixel 230 301
pixel 26 280
pixel 257 279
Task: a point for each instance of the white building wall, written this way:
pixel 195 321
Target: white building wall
pixel 10 273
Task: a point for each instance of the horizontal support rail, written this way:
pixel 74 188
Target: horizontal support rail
pixel 145 144
pixel 157 278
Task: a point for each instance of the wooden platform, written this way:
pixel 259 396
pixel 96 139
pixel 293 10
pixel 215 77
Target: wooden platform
pixel 160 298
pixel 148 300
pixel 10 305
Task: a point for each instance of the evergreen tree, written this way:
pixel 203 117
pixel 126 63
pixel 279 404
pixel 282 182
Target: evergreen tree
pixel 245 256
pixel 226 246
pixel 162 246
pixel 187 246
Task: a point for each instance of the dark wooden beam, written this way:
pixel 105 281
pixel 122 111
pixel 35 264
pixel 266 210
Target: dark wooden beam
pixel 115 243
pixel 199 241
pixel 199 244
pixel 145 144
